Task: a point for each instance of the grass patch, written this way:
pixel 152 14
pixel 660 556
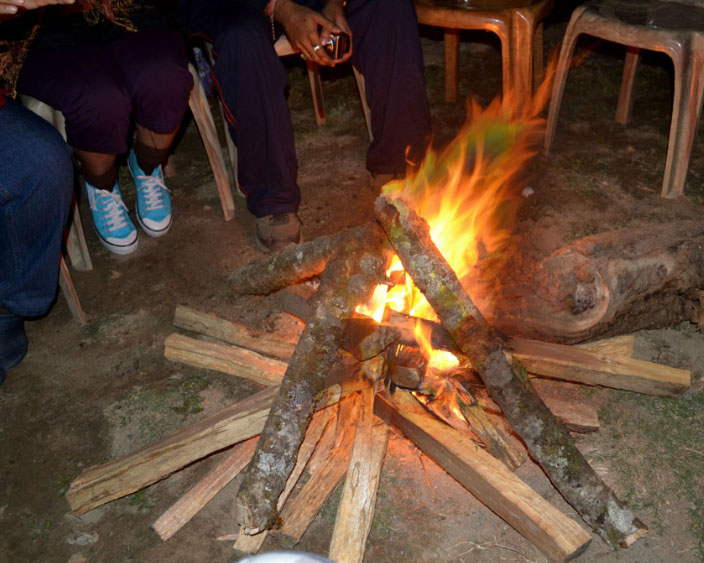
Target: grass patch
pixel 658 441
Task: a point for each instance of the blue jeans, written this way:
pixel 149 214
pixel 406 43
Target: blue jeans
pixel 36 183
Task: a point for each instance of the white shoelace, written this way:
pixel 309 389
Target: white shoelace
pixel 151 187
pixel 113 208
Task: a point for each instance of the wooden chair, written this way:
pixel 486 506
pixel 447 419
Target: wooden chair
pixel 76 246
pixel 284 48
pixel 517 23
pixel 668 27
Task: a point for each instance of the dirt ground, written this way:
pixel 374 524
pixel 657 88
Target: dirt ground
pixel 87 394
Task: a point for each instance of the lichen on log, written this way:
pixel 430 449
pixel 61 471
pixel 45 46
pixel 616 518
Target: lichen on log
pixel 290 266
pixel 349 278
pixel 547 439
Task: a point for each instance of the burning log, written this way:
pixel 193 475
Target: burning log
pixel 349 278
pixel 548 440
pixel 588 364
pixel 407 366
pixel 602 285
pixel 555 534
pixel 364 338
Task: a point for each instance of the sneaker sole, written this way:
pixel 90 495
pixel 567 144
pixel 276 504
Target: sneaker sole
pixel 151 232
pixel 115 249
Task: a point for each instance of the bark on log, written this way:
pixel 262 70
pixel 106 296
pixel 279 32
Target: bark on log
pixel 602 285
pixel 290 266
pixel 547 439
pixel 349 278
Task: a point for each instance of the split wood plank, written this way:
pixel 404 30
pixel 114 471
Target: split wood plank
pixel 207 324
pixel 224 358
pixel 356 510
pixel 102 483
pixel 554 533
pixel 202 492
pixel 623 345
pixel 584 366
pixel 330 467
pixel 318 423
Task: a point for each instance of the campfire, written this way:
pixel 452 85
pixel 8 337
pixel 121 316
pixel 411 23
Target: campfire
pixel 399 333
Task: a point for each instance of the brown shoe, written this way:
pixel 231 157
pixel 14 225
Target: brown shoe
pixel 378 179
pixel 275 232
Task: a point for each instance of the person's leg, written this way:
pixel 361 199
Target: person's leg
pixel 155 72
pixel 36 179
pixel 387 51
pixel 86 87
pixel 252 83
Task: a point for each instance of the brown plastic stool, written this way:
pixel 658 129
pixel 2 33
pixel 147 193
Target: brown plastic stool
pixel 668 27
pixel 518 24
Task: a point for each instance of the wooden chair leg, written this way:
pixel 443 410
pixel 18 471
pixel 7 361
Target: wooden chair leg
pixel 563 66
pixel 206 126
pixel 452 56
pixel 69 291
pixel 521 52
pixel 362 89
pixel 686 110
pixel 76 246
pixel 316 90
pixel 625 96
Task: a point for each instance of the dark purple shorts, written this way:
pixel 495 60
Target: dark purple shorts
pixel 99 88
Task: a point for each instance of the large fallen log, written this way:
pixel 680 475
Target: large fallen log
pixel 349 278
pixel 112 480
pixel 605 284
pixel 555 534
pixel 547 439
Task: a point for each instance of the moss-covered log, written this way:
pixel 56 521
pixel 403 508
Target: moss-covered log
pixel 290 266
pixel 348 279
pixel 547 439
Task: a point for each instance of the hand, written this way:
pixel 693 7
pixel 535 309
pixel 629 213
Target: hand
pixel 11 6
pixel 305 29
pixel 334 11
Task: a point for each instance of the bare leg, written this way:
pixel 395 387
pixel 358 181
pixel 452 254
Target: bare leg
pixel 152 149
pixel 98 168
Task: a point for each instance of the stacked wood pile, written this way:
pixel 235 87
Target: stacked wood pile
pixel 328 403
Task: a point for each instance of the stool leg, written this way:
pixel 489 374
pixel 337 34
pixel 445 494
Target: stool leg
pixel 563 66
pixel 76 242
pixel 362 89
pixel 686 109
pixel 521 52
pixel 206 126
pixel 625 96
pixel 316 90
pixel 452 55
pixel 69 291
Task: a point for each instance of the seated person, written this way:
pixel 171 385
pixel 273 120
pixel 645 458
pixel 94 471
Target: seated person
pixel 252 81
pixel 36 185
pixel 102 66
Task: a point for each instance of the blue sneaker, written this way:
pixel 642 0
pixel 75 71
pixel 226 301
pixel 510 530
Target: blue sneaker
pixel 153 201
pixel 115 229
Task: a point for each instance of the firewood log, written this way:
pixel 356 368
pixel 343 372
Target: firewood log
pixel 547 439
pixel 290 266
pixel 349 278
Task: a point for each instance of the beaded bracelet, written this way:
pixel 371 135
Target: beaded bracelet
pixel 271 17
